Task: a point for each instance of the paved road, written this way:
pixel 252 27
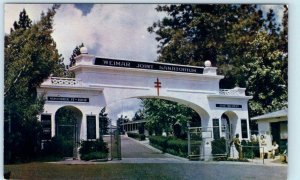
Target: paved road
pixel 132 149
pixel 139 161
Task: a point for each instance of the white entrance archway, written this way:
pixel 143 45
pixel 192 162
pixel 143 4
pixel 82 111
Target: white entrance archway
pixel 101 81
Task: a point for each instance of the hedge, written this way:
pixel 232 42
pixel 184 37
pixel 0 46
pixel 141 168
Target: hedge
pixel 177 147
pixel 94 155
pixel 140 137
pixel 93 150
pixel 170 145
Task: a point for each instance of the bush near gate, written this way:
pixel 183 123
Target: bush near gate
pixel 93 150
pixel 219 149
pixel 177 147
pixel 58 147
pixel 170 145
pixel 140 137
pixel 250 149
pixel 218 146
pixel 159 142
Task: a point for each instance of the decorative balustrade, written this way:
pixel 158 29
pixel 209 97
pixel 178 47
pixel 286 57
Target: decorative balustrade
pixel 232 92
pixel 65 81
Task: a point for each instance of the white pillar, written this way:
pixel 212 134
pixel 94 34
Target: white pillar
pixel 53 126
pixel 83 130
pixel 97 126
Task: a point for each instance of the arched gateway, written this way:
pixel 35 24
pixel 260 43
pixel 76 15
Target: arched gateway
pixel 99 82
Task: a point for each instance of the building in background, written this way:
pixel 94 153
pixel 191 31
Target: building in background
pixel 273 127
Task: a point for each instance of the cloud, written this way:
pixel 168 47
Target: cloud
pixel 12 11
pixel 126 107
pixel 108 30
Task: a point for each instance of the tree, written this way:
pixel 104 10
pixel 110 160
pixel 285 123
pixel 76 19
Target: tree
pixel 139 115
pixel 103 122
pixel 23 23
pixel 225 34
pixel 120 121
pixel 30 57
pixel 76 52
pixel 166 115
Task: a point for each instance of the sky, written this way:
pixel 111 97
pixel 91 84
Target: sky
pixel 107 30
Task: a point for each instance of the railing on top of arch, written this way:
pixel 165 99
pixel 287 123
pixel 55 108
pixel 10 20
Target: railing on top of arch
pixel 232 92
pixel 65 81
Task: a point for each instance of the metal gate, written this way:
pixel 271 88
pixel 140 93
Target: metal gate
pixel 115 144
pixel 194 143
pixel 200 137
pixel 68 134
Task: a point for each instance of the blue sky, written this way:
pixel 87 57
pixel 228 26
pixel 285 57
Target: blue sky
pixel 107 30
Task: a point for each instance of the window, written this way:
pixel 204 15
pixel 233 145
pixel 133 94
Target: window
pixel 216 128
pixel 91 127
pixel 46 125
pixel 244 128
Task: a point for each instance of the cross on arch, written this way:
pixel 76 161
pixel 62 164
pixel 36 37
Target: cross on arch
pixel 157 85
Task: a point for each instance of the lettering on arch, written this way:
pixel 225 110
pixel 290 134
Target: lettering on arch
pixel 148 65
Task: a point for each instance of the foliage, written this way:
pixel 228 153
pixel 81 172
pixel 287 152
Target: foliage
pixel 170 145
pixel 159 142
pixel 94 155
pixel 30 56
pixel 247 47
pixel 76 52
pixel 89 148
pixel 139 115
pixel 120 121
pixel 162 115
pixel 23 23
pixel 140 137
pixel 141 128
pixel 58 146
pixel 103 122
pixel 250 149
pixel 218 146
pixel 177 147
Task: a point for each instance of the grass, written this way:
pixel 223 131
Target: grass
pixel 89 171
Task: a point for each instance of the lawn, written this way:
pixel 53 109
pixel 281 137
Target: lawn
pixel 90 171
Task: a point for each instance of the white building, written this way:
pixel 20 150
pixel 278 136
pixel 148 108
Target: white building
pixel 273 127
pixel 101 81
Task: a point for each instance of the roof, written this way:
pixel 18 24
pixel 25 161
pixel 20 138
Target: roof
pixel 276 114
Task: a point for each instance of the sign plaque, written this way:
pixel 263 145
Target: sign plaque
pixel 148 65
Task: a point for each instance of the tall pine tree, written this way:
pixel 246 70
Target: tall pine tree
pixel 30 57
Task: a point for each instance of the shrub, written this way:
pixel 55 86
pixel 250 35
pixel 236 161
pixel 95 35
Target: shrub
pixel 140 137
pixel 178 146
pixel 141 128
pixel 159 142
pixel 250 149
pixel 170 145
pixel 58 146
pixel 93 149
pixel 94 155
pixel 177 130
pixel 218 146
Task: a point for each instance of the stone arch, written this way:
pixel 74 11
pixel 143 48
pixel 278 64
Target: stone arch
pixel 229 120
